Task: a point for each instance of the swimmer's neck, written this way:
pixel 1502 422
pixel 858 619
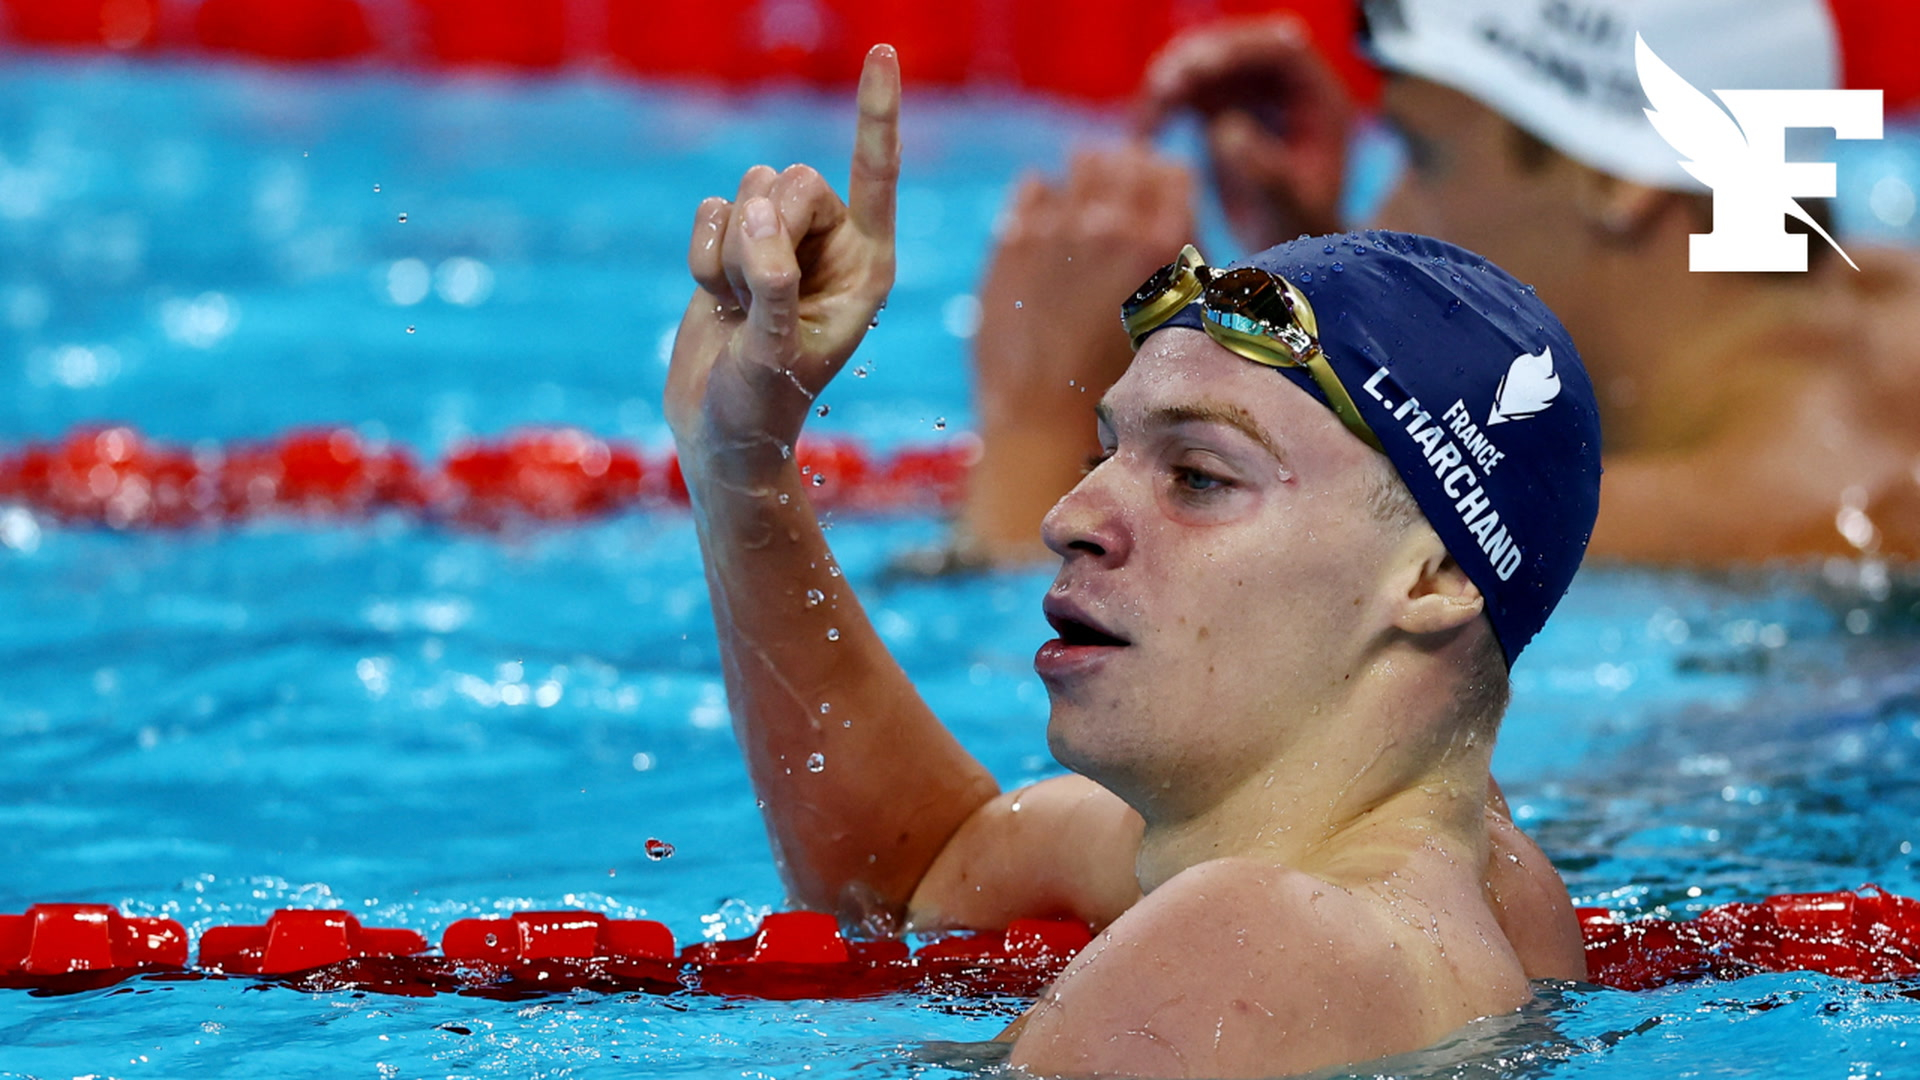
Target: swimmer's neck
pixel 1333 820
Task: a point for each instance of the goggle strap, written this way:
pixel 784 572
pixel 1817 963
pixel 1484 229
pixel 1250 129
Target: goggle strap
pixel 1339 399
pixel 1273 353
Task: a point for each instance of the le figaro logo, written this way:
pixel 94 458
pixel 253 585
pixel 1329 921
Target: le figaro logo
pixel 1741 153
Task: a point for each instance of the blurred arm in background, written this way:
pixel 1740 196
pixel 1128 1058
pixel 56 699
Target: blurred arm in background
pixel 1050 340
pixel 1276 120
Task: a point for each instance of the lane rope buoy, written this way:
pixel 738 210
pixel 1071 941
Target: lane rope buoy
pixel 116 477
pixel 1867 934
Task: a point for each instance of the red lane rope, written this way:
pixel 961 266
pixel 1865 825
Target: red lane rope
pixel 114 476
pixel 732 42
pixel 1868 935
pixel 55 948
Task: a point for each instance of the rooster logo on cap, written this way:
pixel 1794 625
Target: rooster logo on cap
pixel 1528 387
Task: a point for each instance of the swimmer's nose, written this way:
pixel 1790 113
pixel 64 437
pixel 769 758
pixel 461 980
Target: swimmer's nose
pixel 1085 523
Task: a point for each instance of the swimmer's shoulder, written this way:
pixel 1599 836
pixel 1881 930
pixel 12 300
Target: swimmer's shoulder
pixel 1236 967
pixel 1530 901
pixel 1059 848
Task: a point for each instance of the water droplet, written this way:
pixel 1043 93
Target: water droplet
pixel 825 708
pixel 1304 276
pixel 940 424
pixel 874 323
pixel 784 498
pixel 859 373
pixel 1339 268
pixel 409 329
pixel 658 849
pixel 1019 303
pixel 403 219
pixel 814 599
pixel 819 479
pixel 833 633
pixel 833 571
pixel 1328 250
pixel 823 410
pixel 492 940
pixel 376 189
pixel 816 761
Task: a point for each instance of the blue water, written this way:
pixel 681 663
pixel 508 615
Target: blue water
pixel 419 725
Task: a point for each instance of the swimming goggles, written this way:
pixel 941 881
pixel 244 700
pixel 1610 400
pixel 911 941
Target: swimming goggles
pixel 1254 313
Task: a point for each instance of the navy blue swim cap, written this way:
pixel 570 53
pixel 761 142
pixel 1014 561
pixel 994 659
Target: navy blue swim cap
pixel 1478 398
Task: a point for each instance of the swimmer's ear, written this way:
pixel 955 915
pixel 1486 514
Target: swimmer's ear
pixel 1619 211
pixel 1439 596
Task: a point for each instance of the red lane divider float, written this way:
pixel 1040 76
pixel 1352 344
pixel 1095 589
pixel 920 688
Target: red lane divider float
pixel 1868 935
pixel 300 941
pixel 793 955
pixel 990 43
pixel 736 43
pixel 52 941
pixel 116 477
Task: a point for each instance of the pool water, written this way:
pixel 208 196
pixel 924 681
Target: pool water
pixel 421 724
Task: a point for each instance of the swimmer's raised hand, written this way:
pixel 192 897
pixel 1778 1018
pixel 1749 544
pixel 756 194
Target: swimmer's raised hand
pixel 790 278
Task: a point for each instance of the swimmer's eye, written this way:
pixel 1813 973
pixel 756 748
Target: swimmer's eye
pixel 1195 482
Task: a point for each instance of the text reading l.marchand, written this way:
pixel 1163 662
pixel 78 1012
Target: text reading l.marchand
pixel 1453 462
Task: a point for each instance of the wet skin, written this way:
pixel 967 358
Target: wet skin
pixel 1292 857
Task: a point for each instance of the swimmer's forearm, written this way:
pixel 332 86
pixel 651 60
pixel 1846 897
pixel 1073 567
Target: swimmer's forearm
pixel 861 783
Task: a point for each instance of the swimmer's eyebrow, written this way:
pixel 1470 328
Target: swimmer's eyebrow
pixel 1210 412
pixel 1232 416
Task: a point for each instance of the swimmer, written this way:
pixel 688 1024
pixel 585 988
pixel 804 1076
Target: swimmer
pixel 1281 657
pixel 1748 416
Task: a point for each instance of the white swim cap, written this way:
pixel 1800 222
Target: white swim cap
pixel 1564 69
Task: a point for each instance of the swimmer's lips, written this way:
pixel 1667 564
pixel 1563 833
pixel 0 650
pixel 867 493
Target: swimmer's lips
pixel 1081 641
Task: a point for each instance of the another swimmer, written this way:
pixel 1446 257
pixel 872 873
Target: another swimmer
pixel 1748 416
pixel 1281 656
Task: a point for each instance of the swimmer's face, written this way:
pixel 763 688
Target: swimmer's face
pixel 1222 579
pixel 1471 179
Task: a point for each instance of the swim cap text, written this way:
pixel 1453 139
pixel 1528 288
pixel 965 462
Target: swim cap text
pixel 1453 461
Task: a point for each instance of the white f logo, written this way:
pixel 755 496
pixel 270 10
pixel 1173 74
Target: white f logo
pixel 1743 158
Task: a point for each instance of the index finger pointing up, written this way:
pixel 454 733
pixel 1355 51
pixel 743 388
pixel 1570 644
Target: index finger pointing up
pixel 876 145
